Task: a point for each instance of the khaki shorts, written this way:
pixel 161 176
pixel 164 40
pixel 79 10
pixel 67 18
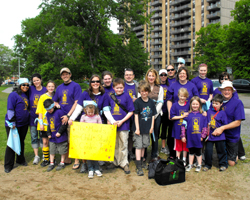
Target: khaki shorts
pixel 141 141
pixel 62 148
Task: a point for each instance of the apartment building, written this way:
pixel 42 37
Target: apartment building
pixel 174 23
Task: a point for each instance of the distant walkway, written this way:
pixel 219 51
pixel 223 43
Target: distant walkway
pixel 8 90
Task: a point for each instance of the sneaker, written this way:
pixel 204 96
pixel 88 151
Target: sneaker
pixel 139 172
pixel 222 169
pixel 98 173
pixel 189 167
pixel 144 165
pixel 45 163
pixel 36 160
pixel 83 168
pixel 60 166
pixel 196 164
pixel 242 158
pixel 205 169
pixel 91 174
pixel 165 150
pixel 51 167
pixel 184 163
pixel 126 169
pixel 198 168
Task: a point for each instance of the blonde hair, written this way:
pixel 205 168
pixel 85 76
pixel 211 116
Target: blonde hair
pixel 199 101
pixel 91 107
pixel 144 86
pixel 157 78
pixel 183 91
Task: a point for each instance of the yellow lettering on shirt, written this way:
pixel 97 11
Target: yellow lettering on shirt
pixel 196 125
pixel 64 97
pixel 52 124
pixel 204 88
pixel 165 93
pixel 130 92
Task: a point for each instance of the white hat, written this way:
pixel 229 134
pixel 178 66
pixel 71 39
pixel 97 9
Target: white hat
pixel 227 84
pixel 181 60
pixel 89 102
pixel 22 80
pixel 65 69
pixel 163 71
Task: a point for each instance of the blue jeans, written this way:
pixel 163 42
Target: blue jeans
pixel 34 138
pixel 92 165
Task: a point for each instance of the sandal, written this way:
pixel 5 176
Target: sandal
pixel 76 166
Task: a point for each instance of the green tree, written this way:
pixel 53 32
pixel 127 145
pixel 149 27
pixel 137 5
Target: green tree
pixel 5 62
pixel 75 34
pixel 210 48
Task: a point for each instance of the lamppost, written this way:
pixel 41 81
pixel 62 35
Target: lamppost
pixel 18 67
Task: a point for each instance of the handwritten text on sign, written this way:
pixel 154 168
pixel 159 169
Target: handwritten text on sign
pixel 92 141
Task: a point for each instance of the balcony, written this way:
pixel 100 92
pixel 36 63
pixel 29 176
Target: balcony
pixel 209 1
pixel 156 49
pixel 140 33
pixel 156 63
pixel 185 37
pixel 156 56
pixel 214 15
pixel 178 16
pixel 214 21
pixel 186 44
pixel 184 22
pixel 120 28
pixel 156 36
pixel 159 8
pixel 180 30
pixel 141 39
pixel 214 6
pixel 157 29
pixel 176 2
pixel 156 16
pixel 180 8
pixel 137 28
pixel 155 42
pixel 181 53
pixel 187 60
pixel 155 22
pixel 155 3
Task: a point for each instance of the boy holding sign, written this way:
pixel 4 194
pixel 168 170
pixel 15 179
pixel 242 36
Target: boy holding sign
pixel 122 108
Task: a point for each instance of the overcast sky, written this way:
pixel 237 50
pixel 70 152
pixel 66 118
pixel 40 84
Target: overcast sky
pixel 12 12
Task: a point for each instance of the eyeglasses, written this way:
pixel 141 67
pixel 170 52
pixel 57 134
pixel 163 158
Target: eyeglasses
pixel 163 74
pixel 27 85
pixel 224 79
pixel 168 70
pixel 180 63
pixel 94 81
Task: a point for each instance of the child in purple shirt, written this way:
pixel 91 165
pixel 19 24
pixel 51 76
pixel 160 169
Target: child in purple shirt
pixel 196 131
pixel 216 118
pixel 91 116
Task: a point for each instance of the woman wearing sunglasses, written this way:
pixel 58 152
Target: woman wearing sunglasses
pixel 18 116
pixel 96 93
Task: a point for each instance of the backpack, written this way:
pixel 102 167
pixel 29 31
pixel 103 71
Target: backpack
pixel 170 171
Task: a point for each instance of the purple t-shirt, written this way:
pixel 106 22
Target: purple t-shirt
pixel 119 113
pixel 171 81
pixel 164 106
pixel 66 95
pixel 34 97
pixel 234 109
pixel 130 89
pixel 217 91
pixel 54 122
pixel 20 107
pixel 101 100
pixel 177 110
pixel 204 86
pixel 219 120
pixel 172 93
pixel 109 89
pixel 195 123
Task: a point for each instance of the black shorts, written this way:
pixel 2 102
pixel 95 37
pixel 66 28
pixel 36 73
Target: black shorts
pixel 232 150
pixel 196 151
pixel 43 134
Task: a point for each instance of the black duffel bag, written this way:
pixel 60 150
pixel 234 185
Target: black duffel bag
pixel 170 171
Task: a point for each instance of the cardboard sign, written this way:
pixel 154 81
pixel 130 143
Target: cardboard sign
pixel 92 141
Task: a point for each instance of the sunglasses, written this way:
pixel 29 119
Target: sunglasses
pixel 224 79
pixel 27 85
pixel 168 70
pixel 94 81
pixel 180 63
pixel 163 74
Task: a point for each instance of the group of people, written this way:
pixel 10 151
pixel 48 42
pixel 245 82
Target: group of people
pixel 186 115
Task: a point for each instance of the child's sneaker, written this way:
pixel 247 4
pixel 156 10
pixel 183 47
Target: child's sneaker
pixel 184 163
pixel 198 168
pixel 98 173
pixel 139 171
pixel 36 160
pixel 189 167
pixel 51 167
pixel 60 166
pixel 205 169
pixel 242 158
pixel 222 169
pixel 91 174
pixel 164 150
pixel 45 163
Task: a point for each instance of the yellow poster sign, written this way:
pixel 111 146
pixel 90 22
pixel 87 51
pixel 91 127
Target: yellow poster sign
pixel 92 141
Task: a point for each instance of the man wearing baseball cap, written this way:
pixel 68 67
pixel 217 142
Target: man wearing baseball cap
pixel 67 95
pixel 234 109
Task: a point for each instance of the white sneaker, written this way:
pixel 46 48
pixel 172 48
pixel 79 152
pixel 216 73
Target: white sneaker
pixel 198 168
pixel 242 158
pixel 36 160
pixel 189 167
pixel 165 150
pixel 91 174
pixel 98 173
